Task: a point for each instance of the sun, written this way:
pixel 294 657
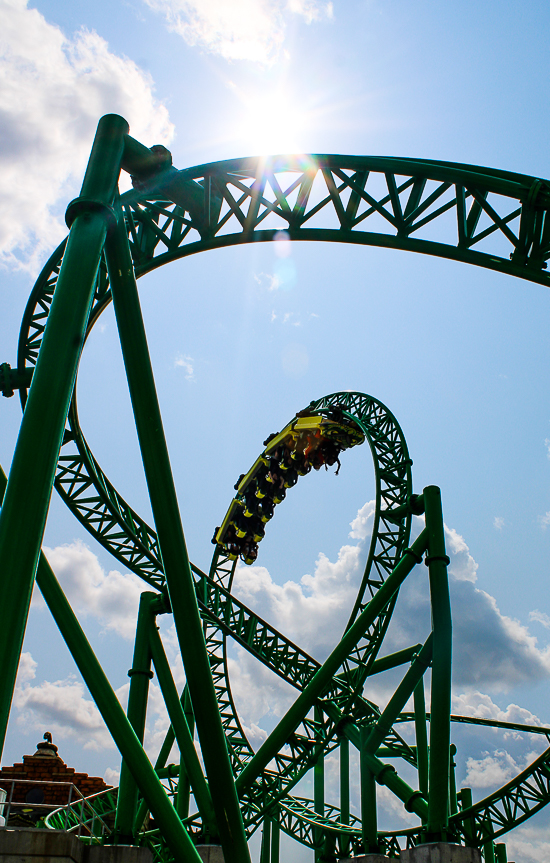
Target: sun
pixel 271 123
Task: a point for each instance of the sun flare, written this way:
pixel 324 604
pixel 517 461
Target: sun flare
pixel 271 123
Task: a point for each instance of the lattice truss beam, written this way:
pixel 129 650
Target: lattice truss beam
pixel 493 219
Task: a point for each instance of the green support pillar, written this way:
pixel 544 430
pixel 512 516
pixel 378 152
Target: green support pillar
pixel 319 788
pixel 453 800
pixel 386 774
pixel 266 841
pixel 112 713
pixel 162 757
pixel 140 675
pixel 344 790
pixel 27 498
pixel 184 738
pixel 369 821
pixel 173 548
pixel 114 717
pixel 421 737
pixel 275 837
pixel 465 798
pixel 440 711
pixel 184 786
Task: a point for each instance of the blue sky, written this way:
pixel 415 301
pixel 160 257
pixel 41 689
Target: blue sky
pixel 460 355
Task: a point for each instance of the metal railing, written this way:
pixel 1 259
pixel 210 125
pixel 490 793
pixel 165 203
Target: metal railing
pixel 89 818
pixel 85 816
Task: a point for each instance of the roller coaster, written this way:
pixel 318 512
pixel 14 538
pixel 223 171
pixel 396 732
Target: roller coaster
pixel 481 216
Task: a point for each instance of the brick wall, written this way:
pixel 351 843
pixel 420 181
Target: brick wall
pixel 48 769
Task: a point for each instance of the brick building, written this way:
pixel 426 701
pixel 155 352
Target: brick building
pixel 44 778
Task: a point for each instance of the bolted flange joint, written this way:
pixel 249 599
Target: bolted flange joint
pixel 85 206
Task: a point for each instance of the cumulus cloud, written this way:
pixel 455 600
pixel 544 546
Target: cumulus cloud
pixel 258 692
pixel 62 706
pixel 65 708
pixel 529 843
pixel 243 30
pixel 494 770
pixel 54 88
pixel 314 611
pixel 498 522
pixel 480 704
pixel 491 650
pixel 26 670
pixel 112 598
pixel 111 777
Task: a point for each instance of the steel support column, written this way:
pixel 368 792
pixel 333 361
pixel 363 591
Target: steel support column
pixel 27 498
pixel 369 821
pixel 440 711
pixel 421 737
pixel 140 675
pixel 319 789
pixel 184 738
pixel 344 789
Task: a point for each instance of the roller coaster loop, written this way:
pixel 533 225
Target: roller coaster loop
pixel 494 219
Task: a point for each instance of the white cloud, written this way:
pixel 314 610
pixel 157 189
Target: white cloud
pixel 269 281
pixel 258 693
pixel 314 611
pixel 491 650
pixel 186 363
pixel 62 706
pixel 540 617
pixel 494 770
pixel 547 445
pixel 242 30
pixel 361 526
pixel 112 598
pixel 545 520
pixel 498 522
pixel 529 843
pixel 474 703
pixel 53 90
pixel 26 670
pixel 111 777
pixel 462 567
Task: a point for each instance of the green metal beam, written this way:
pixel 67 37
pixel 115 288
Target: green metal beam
pixel 183 735
pixel 114 717
pixel 421 737
pixel 319 788
pixel 112 712
pixel 27 498
pixel 440 728
pixel 414 675
pixel 140 675
pixel 393 660
pixel 369 820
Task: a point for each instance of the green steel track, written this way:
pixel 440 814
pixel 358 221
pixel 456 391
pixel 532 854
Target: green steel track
pixel 494 219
